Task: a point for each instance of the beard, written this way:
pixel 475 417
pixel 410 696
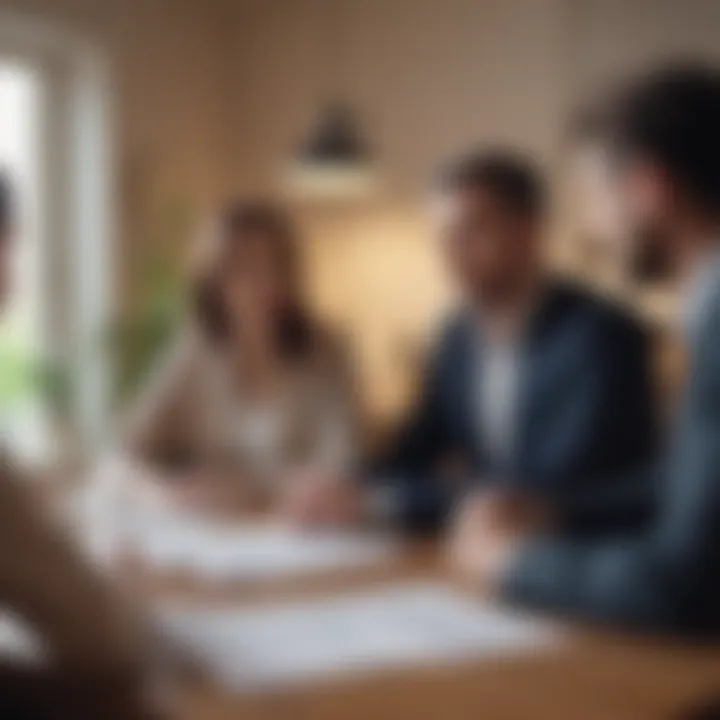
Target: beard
pixel 650 260
pixel 498 293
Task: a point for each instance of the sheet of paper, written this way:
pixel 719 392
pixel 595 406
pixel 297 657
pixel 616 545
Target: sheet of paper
pixel 172 540
pixel 392 626
pixel 257 550
pixel 241 550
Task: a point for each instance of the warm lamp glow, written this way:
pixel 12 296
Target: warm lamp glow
pixel 330 181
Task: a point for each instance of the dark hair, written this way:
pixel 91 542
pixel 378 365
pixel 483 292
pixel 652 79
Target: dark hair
pixel 295 331
pixel 671 115
pixel 506 174
pixel 6 203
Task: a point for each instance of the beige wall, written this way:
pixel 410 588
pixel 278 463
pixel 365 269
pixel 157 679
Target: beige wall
pixel 427 77
pixel 611 37
pixel 212 96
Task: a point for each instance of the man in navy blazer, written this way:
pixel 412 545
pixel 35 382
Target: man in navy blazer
pixel 534 388
pixel 662 141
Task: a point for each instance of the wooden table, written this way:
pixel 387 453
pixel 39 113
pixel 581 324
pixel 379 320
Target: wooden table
pixel 591 676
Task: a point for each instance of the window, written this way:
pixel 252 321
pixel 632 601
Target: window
pixel 54 139
pixel 23 408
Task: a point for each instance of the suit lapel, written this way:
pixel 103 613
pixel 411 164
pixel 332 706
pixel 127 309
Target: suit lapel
pixel 532 379
pixel 466 357
pixel 470 358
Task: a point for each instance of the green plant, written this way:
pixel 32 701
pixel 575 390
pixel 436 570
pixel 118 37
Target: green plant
pixel 142 330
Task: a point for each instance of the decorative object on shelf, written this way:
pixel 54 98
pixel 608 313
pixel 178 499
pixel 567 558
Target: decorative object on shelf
pixel 334 161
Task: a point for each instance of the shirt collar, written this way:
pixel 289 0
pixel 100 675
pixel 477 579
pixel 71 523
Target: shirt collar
pixel 509 327
pixel 700 288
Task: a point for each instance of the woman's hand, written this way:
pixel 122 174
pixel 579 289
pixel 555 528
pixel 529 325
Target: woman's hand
pixel 207 490
pixel 322 500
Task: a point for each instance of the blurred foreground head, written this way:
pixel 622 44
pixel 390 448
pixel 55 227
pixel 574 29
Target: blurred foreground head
pixel 490 210
pixel 7 217
pixel 656 142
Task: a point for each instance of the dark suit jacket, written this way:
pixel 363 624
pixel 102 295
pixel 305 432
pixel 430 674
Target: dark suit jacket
pixel 669 576
pixel 585 411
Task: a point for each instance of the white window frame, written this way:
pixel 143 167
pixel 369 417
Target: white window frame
pixel 78 210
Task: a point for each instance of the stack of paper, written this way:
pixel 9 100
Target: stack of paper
pixel 400 625
pixel 111 521
pixel 256 551
pixel 228 551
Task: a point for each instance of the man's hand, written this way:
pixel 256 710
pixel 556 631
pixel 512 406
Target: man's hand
pixel 508 511
pixel 486 533
pixel 322 501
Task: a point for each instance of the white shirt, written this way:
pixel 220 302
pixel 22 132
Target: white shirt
pixel 497 375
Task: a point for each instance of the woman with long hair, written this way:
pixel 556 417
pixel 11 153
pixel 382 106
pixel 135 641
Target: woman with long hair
pixel 255 392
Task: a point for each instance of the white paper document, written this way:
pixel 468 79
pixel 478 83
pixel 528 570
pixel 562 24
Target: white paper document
pixel 284 644
pixel 219 551
pixel 257 551
pixel 170 539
